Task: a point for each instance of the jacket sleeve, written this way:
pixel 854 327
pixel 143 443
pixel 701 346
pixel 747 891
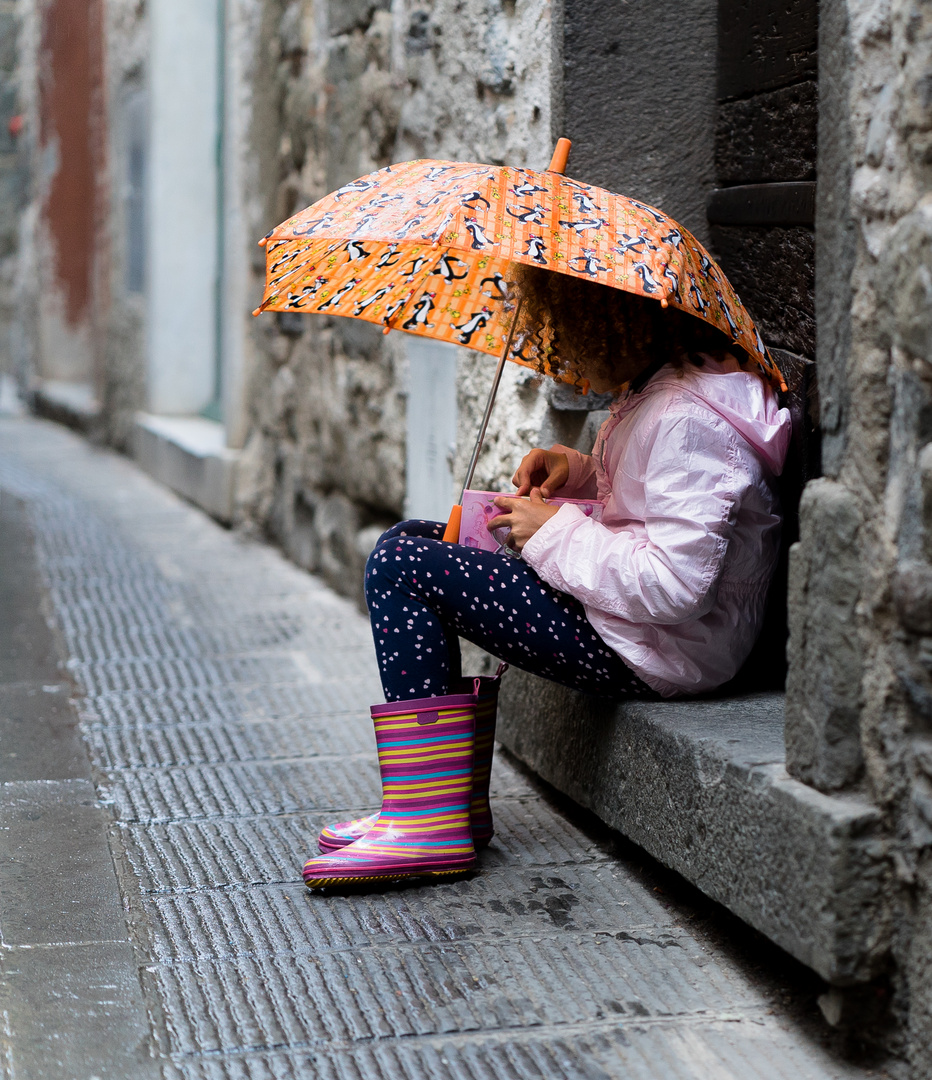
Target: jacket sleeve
pixel 667 571
pixel 582 481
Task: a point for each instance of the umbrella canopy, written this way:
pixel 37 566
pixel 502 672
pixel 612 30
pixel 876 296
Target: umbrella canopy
pixel 425 246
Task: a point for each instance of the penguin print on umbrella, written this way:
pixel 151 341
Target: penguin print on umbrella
pixel 361 305
pixel 356 186
pixel 650 283
pixel 528 215
pixel 477 321
pixel 354 250
pixel 585 205
pixel 458 227
pixel 584 225
pixel 479 239
pixel 339 294
pixel 496 287
pixel 422 309
pixel 536 249
pixel 446 270
pixel 699 302
pixel 633 244
pixel 673 277
pixel 525 191
pixel 436 197
pixel 470 200
pixel 588 263
pixel 298 300
pixel 390 257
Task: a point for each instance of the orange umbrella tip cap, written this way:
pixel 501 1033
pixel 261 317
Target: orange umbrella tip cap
pixel 561 153
pixel 257 311
pixel 263 241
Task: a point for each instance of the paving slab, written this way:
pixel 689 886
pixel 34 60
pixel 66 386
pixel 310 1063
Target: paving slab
pixel 76 1011
pixel 71 1001
pixel 223 695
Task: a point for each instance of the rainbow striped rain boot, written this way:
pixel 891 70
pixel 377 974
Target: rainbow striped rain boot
pixel 340 835
pixel 425 749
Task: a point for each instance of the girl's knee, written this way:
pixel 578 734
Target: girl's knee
pixel 413 527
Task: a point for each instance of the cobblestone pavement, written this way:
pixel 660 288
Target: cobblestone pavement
pixel 223 700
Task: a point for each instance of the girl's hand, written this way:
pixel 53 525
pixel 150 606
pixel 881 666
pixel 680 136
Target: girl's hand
pixel 523 518
pixel 547 469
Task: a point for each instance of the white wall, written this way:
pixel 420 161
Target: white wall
pixel 431 428
pixel 181 205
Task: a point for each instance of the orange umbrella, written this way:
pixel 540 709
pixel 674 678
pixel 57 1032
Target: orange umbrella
pixel 425 246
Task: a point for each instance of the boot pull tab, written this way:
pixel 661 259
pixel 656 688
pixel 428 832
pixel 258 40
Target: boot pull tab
pixel 430 716
pixel 502 668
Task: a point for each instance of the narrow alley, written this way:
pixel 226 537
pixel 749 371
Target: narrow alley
pixel 222 695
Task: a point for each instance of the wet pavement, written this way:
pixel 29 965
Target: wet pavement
pixel 152 915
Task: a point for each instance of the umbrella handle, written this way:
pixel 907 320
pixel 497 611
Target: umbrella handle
pixel 451 533
pixel 561 153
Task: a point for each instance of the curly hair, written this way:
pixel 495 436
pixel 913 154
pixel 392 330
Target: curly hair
pixel 571 328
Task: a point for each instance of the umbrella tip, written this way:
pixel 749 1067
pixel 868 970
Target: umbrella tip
pixel 664 302
pixel 257 311
pixel 561 153
pixel 263 241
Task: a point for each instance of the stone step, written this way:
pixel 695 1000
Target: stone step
pixel 702 787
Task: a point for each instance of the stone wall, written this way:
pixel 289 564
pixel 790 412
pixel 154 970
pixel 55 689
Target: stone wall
pixel 121 363
pixel 859 698
pixel 14 179
pixel 343 89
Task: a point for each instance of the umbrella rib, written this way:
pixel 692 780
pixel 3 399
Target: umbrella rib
pixel 491 402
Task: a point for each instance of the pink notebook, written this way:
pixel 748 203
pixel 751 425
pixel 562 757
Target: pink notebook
pixel 478 509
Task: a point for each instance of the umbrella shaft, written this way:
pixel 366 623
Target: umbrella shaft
pixel 491 402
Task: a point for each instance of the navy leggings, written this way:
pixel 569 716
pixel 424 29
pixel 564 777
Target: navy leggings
pixel 424 594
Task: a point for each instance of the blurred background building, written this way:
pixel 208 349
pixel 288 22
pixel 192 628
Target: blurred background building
pixel 146 147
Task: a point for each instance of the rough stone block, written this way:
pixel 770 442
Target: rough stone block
pixel 823 745
pixel 762 45
pixel 903 283
pixel 345 16
pixel 702 787
pixel 773 271
pixel 639 101
pixel 769 137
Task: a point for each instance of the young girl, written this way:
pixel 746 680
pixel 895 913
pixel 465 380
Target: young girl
pixel 662 597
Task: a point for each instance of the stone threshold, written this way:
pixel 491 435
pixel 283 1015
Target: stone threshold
pixel 702 786
pixel 73 404
pixel 188 454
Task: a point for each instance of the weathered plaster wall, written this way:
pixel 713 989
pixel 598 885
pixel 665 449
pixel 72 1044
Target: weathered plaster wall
pixel 859 701
pixel 14 178
pixel 74 314
pixel 345 88
pixel 121 363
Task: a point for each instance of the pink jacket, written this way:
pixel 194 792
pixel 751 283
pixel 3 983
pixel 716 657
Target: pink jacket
pixel 674 578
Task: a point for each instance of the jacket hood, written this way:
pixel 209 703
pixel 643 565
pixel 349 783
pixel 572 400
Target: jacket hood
pixel 743 400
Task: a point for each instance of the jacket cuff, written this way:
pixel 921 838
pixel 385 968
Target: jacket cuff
pixel 535 552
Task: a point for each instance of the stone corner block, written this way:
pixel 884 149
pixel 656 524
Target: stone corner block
pixel 823 692
pixel 189 455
